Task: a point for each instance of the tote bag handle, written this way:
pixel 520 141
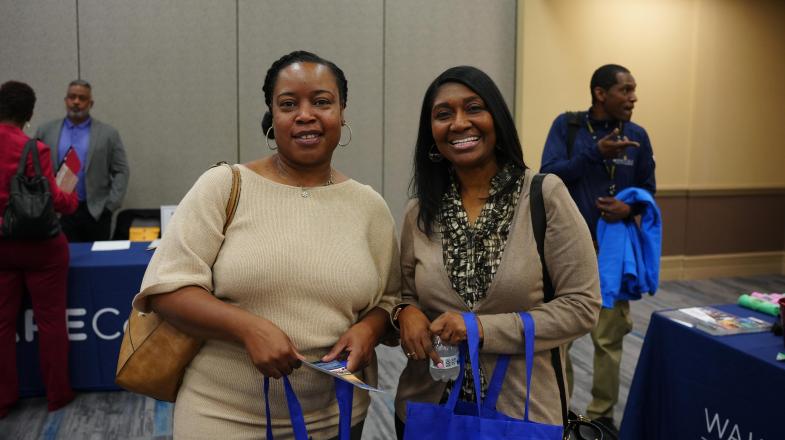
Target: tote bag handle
pixel 472 346
pixel 495 385
pixel 344 392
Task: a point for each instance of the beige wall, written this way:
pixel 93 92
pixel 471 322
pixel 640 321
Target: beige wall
pixel 710 81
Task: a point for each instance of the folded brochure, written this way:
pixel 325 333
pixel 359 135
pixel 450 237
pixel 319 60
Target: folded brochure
pixel 338 369
pixel 67 174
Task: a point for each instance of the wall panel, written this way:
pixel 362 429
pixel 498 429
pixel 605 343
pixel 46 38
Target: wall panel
pixel 347 32
pixel 422 39
pixel 739 96
pixel 39 48
pixel 164 74
pixel 562 42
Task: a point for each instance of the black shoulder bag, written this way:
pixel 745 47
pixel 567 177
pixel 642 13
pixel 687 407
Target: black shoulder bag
pixel 30 213
pixel 576 427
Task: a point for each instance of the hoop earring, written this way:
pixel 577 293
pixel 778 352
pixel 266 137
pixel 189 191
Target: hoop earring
pixel 267 139
pixel 346 124
pixel 27 125
pixel 434 155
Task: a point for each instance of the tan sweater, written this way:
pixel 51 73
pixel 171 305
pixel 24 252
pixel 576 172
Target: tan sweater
pixel 517 286
pixel 314 266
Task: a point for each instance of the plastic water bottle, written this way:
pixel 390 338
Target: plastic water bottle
pixel 449 367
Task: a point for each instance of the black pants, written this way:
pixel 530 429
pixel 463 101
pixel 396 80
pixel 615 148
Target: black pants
pixel 81 226
pixel 356 432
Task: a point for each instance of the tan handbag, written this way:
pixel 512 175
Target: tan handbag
pixel 154 354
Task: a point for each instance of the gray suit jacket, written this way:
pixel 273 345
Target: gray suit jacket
pixel 106 167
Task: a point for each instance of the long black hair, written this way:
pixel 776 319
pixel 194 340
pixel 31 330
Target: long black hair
pixel 431 179
pixel 298 56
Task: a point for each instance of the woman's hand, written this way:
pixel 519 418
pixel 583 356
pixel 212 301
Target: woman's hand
pixel 271 350
pixel 359 341
pixel 449 326
pixel 415 336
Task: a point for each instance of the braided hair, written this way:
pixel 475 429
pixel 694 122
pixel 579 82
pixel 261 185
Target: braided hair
pixel 298 56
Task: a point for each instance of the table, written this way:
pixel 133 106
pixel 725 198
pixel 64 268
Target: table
pixel 691 385
pixel 100 288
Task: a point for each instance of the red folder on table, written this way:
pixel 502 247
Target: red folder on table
pixel 67 174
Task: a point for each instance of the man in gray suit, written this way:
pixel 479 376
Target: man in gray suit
pixel 103 177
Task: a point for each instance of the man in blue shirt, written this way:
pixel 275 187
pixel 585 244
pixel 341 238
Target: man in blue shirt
pixel 103 176
pixel 598 153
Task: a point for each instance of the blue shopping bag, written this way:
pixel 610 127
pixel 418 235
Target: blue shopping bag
pixel 479 420
pixel 344 392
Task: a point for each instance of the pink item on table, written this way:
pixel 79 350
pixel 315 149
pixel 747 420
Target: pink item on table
pixel 782 317
pixel 768 297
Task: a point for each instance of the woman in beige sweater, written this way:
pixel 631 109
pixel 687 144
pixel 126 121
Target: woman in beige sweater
pixel 307 270
pixel 467 245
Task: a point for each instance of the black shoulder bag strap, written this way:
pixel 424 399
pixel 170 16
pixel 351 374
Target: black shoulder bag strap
pixel 31 148
pixel 573 125
pixel 539 225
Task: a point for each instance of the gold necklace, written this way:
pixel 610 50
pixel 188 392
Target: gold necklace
pixel 304 191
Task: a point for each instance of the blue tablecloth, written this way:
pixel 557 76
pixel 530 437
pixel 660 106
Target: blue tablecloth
pixel 691 385
pixel 100 288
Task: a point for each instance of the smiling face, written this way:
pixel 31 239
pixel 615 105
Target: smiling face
pixel 307 114
pixel 619 100
pixel 78 102
pixel 462 127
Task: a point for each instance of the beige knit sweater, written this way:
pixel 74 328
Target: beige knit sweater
pixel 314 266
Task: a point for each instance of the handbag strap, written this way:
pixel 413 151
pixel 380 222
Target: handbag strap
pixel 503 361
pixel 472 348
pixel 574 122
pixel 528 342
pixel 344 392
pixel 497 380
pixel 539 225
pixel 234 194
pixel 31 147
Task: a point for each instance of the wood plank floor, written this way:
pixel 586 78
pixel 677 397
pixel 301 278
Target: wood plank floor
pixel 121 415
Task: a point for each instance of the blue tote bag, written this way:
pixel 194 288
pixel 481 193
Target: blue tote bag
pixel 344 392
pixel 479 420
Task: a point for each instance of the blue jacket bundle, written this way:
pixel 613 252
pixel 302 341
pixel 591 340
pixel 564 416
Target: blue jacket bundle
pixel 629 257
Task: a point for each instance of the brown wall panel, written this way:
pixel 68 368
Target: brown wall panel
pixel 735 223
pixel 722 222
pixel 674 220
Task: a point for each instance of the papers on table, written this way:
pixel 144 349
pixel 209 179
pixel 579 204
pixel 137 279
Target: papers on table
pixel 717 322
pixel 112 245
pixel 153 244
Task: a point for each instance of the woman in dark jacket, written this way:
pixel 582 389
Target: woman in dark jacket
pixel 38 266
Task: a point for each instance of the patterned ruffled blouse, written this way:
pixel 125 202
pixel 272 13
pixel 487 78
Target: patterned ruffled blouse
pixel 472 253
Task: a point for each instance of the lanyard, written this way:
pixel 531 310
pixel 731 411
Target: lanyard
pixel 609 168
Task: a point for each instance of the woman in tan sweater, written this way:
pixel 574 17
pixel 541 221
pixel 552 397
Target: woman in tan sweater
pixel 467 245
pixel 307 270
